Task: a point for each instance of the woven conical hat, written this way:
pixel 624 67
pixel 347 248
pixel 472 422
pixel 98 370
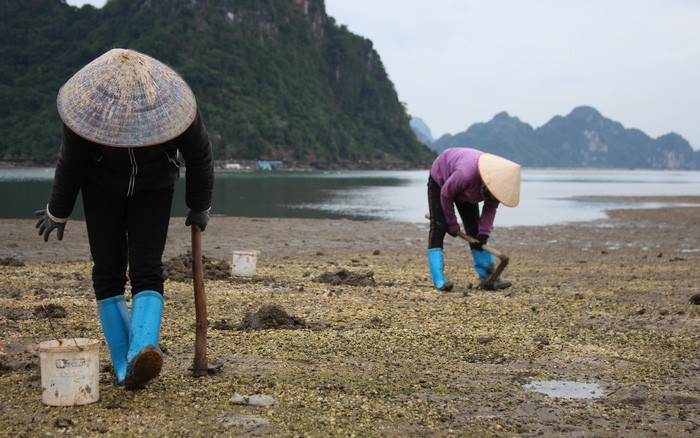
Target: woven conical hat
pixel 126 99
pixel 501 177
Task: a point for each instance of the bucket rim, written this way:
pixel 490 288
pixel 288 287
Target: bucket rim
pixel 68 345
pixel 250 252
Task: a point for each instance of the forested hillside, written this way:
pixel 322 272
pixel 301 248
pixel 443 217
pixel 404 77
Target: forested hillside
pixel 275 79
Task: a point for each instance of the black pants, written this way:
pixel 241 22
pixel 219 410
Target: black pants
pixel 126 231
pixel 438 227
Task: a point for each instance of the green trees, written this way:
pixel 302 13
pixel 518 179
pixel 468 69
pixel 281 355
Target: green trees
pixel 274 79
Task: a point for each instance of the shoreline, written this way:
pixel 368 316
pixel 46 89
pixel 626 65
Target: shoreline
pixel 299 166
pixel 293 236
pixel 670 199
pixel 298 236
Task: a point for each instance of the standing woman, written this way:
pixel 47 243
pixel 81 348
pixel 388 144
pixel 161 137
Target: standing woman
pixel 462 178
pixel 126 118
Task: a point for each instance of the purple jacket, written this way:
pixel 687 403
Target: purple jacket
pixel 456 171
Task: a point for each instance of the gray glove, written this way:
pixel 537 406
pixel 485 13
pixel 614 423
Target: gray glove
pixel 200 218
pixel 46 225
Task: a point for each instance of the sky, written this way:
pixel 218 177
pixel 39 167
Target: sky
pixel 459 62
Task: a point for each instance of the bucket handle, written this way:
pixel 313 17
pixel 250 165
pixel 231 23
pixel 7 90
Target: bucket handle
pixel 53 330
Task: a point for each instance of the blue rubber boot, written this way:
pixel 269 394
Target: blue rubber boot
pixel 484 266
pixel 144 359
pixel 114 318
pixel 437 264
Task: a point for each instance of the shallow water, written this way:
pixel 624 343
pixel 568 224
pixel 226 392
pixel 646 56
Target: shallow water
pixel 547 196
pixel 566 389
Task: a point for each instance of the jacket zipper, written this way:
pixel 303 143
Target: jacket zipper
pixel 134 171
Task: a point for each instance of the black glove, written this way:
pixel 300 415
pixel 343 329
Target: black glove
pixel 46 225
pixel 453 230
pixel 482 238
pixel 200 218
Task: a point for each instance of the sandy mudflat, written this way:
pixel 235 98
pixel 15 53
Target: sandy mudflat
pixel 608 302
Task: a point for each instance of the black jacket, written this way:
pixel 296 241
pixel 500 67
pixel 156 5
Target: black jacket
pixel 129 170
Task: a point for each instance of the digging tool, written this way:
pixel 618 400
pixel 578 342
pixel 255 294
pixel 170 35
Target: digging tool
pixel 489 281
pixel 200 365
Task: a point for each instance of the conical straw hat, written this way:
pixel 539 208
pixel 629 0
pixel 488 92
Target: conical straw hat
pixel 126 99
pixel 501 177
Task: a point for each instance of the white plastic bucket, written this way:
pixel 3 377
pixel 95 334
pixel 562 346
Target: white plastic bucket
pixel 244 263
pixel 69 372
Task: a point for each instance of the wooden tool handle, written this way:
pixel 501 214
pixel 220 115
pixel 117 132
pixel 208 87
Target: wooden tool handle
pixel 494 251
pixel 200 302
pixel 470 239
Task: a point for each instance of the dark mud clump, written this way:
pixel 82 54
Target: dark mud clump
pixel 347 278
pixel 11 261
pixel 4 368
pixel 271 316
pixel 16 357
pixel 180 268
pixel 14 364
pixel 52 311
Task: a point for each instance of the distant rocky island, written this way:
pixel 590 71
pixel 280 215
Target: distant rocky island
pixel 582 139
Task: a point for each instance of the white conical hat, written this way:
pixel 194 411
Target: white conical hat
pixel 501 177
pixel 126 99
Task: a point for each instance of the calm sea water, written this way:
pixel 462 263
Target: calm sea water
pixel 547 196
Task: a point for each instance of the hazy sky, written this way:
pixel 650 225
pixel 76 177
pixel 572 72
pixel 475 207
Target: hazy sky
pixel 459 62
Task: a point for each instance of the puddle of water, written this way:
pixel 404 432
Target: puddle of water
pixel 566 389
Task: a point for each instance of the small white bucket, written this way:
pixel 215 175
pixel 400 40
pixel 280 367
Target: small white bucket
pixel 69 372
pixel 244 263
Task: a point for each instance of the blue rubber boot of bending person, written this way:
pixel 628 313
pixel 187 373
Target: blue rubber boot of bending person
pixel 144 359
pixel 483 263
pixel 114 318
pixel 484 266
pixel 437 264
